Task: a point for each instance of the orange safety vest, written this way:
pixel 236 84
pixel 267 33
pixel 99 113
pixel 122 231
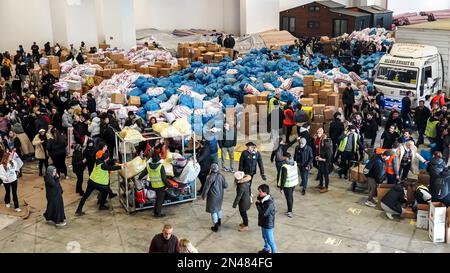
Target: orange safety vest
pixel 390 164
pixel 379 151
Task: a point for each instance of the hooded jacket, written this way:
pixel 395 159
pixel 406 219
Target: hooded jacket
pixel 266 212
pixel 94 127
pixel 67 119
pixel 213 190
pixel 243 196
pixel 303 156
pixel 284 173
pixel 415 156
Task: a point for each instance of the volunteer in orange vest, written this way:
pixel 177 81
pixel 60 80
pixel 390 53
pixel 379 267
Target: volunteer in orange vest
pixel 439 98
pixel 288 121
pixel 392 166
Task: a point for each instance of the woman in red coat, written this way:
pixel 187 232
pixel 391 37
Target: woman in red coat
pixel 288 121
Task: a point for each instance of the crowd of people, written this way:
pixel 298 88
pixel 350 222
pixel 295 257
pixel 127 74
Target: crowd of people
pixel 36 122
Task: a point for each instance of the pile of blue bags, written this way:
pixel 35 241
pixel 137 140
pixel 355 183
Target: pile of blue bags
pixel 228 79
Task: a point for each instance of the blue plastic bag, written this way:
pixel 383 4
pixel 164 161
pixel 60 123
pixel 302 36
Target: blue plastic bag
pixel 186 101
pixel 136 92
pixel 151 106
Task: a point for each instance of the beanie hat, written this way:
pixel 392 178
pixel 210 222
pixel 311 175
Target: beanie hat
pixel 99 154
pixel 302 141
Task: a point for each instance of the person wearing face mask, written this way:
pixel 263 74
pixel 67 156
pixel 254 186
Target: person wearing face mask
pixel 288 180
pixel 40 142
pixel 304 157
pixel 348 146
pixel 248 161
pixel 55 204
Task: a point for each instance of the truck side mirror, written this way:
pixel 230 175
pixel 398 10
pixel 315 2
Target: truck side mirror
pixel 430 82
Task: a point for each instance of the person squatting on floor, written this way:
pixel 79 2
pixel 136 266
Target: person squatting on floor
pixel 213 192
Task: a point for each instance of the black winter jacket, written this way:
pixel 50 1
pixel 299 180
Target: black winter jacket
pixel 304 157
pixel 348 97
pixel 370 128
pixel 283 148
pixel 336 129
pixel 394 198
pixel 248 161
pixel 56 148
pixel 77 161
pixel 229 138
pixel 266 213
pixel 377 170
pixel 204 159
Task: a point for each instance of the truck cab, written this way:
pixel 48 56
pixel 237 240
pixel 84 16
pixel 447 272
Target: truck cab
pixel 409 67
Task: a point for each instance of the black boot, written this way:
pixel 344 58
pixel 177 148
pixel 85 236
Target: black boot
pixel 215 228
pixel 219 222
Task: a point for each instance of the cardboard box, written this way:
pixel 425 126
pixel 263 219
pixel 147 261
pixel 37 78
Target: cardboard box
pixel 262 107
pixel 409 214
pixel 98 80
pixel 323 101
pixel 422 216
pixel 104 46
pixel 357 174
pixel 381 192
pixel 134 100
pixel 308 80
pixel 263 96
pixel 438 212
pixel 315 97
pixel 316 89
pixel 117 70
pixel 153 70
pixel 318 83
pixel 250 123
pixel 289 57
pixel 342 89
pixel 218 57
pixel 436 232
pixel 200 59
pixel 213 48
pixel 107 73
pixel 53 62
pixel 175 67
pixel 307 101
pixel 129 66
pixel 55 72
pixel 143 70
pixel 333 99
pixel 118 98
pixel 164 72
pixel 323 93
pixel 423 178
pixel 307 90
pixel 318 109
pixel 209 56
pixel 183 62
pixel 329 114
pixel 116 57
pixel 250 99
pixel 319 118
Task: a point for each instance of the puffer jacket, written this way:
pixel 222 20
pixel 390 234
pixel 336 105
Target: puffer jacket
pixel 67 119
pixel 94 127
pixel 266 212
pixel 435 168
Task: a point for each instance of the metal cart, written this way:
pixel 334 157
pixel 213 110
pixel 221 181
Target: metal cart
pixel 127 195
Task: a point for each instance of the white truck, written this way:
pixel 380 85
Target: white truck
pixel 409 67
pixel 427 53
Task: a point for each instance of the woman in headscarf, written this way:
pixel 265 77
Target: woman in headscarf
pixel 55 204
pixel 213 191
pixel 40 142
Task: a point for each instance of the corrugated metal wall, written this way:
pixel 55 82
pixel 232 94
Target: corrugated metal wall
pixel 437 38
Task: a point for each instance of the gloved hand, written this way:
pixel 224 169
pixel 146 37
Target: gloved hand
pixel 264 177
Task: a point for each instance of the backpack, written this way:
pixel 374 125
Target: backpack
pixel 369 166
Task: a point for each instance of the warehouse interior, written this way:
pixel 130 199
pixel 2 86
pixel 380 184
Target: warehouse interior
pixel 168 61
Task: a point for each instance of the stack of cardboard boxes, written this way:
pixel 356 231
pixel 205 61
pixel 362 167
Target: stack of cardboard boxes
pixel 250 116
pixel 205 52
pixel 53 65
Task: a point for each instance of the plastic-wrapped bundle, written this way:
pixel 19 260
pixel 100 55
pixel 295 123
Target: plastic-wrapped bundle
pixel 136 92
pixel 155 91
pixel 185 100
pixel 151 106
pixel 144 98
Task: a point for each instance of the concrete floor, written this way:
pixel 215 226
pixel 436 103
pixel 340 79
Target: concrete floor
pixel 336 221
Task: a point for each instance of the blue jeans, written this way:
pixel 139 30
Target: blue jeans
pixel 269 242
pixel 216 216
pixel 304 177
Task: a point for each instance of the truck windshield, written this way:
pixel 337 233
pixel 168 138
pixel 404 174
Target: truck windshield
pixel 397 74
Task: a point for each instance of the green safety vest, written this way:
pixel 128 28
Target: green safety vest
pixel 271 104
pixel 344 143
pixel 154 175
pixel 291 176
pixel 99 176
pixel 430 130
